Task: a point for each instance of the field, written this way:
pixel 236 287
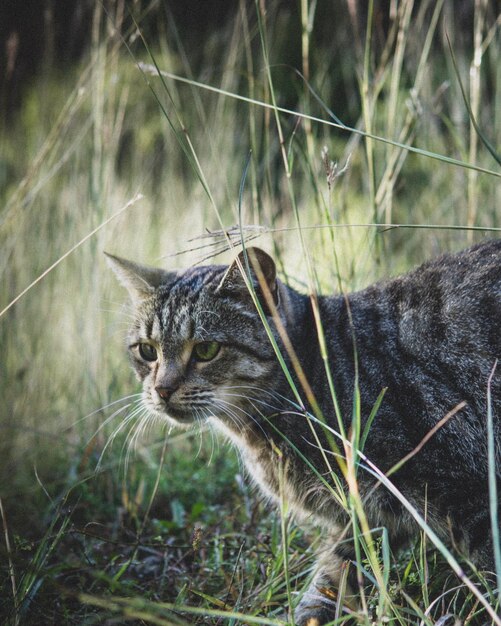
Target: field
pixel 351 145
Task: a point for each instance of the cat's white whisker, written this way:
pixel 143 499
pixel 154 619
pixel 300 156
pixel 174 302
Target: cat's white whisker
pixel 112 416
pixel 253 400
pixel 231 409
pixel 132 438
pixel 103 408
pixel 138 417
pixel 260 391
pixel 129 418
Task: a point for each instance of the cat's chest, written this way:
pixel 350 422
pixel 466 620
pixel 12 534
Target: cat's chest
pixel 281 481
pixel 257 457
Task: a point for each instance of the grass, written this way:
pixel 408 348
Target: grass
pixel 175 536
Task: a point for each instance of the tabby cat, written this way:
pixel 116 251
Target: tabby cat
pixel 431 338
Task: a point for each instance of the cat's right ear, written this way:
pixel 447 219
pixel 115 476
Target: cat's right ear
pixel 262 272
pixel 139 280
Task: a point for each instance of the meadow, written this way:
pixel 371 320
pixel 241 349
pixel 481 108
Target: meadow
pixel 360 142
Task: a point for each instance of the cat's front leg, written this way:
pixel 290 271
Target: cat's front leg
pixel 315 607
pixel 333 580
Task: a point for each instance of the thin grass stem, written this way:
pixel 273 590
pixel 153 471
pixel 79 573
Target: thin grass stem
pixel 493 493
pixel 12 573
pixel 149 69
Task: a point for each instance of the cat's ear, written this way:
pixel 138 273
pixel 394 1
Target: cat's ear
pixel 263 273
pixel 139 280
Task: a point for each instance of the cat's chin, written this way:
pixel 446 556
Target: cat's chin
pixel 178 418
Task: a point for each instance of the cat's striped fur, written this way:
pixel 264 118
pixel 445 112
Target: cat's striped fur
pixel 431 338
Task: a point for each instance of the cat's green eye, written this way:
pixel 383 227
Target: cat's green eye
pixel 206 350
pixel 148 352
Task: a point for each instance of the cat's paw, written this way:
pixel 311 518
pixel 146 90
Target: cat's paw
pixel 313 615
pixel 315 609
pixel 320 605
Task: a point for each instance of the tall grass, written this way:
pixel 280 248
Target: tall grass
pixel 338 208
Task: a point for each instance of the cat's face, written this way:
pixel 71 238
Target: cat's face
pixel 197 342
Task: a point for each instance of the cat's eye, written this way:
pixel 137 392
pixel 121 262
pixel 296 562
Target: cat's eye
pixel 148 352
pixel 206 350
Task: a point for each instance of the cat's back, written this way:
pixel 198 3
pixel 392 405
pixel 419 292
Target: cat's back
pixel 451 304
pixel 431 336
pixel 466 274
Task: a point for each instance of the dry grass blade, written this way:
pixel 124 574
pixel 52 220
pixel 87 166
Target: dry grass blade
pixel 70 251
pixel 440 424
pixel 298 114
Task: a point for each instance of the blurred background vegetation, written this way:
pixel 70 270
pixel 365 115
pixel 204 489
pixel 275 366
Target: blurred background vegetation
pixel 98 152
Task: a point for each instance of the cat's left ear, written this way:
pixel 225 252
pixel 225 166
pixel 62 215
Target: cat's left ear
pixel 139 280
pixel 262 271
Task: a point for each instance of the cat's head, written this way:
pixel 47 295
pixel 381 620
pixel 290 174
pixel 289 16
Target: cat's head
pixel 197 341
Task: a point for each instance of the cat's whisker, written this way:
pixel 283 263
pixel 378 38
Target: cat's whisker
pixel 231 411
pixel 269 392
pixel 112 416
pixel 137 417
pixel 119 330
pixel 223 411
pixel 102 409
pixel 150 423
pixel 118 308
pixel 129 315
pixel 142 424
pixel 133 436
pixel 253 400
pixel 239 455
pixel 244 412
pixel 214 444
pixel 265 390
pixel 129 418
pixel 200 417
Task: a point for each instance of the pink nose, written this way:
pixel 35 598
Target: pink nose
pixel 165 392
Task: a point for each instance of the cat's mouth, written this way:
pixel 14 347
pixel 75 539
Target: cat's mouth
pixel 180 415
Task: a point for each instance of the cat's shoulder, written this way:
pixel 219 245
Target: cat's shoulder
pixel 478 255
pixel 476 267
pixel 479 258
pixel 451 275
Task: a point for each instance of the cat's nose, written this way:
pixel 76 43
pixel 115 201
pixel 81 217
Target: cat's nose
pixel 165 392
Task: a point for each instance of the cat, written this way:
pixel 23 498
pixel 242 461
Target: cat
pixel 429 340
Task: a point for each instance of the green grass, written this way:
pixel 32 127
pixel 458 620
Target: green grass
pixel 175 535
